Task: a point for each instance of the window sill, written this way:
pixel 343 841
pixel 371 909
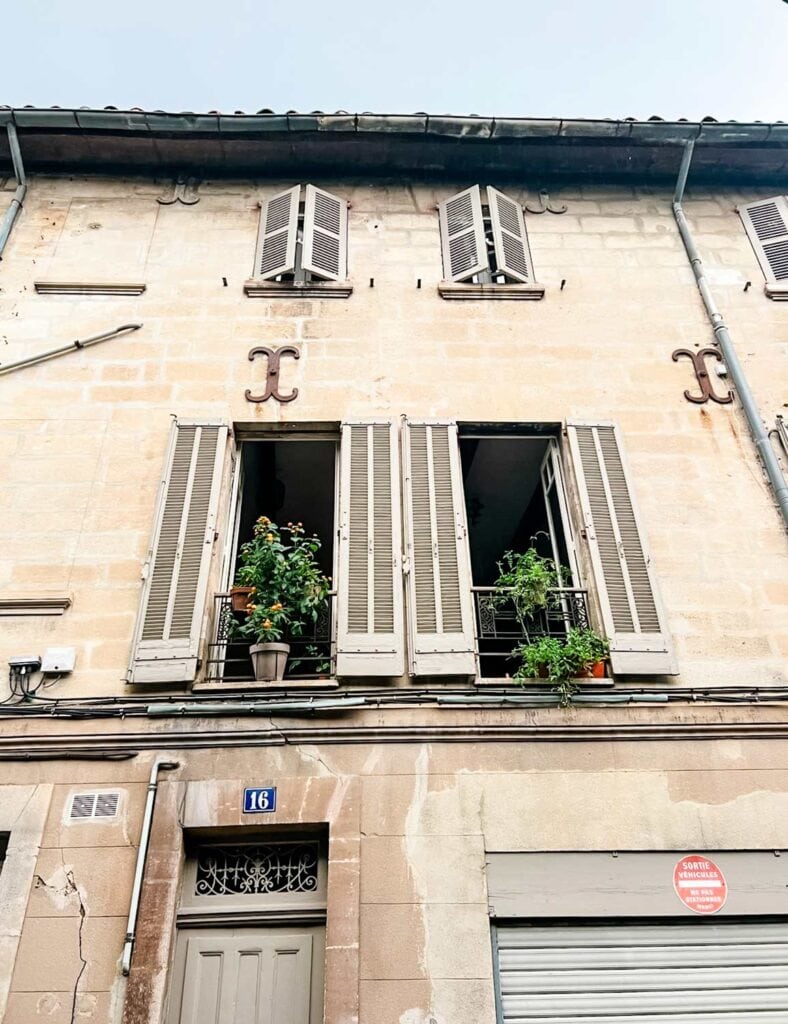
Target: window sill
pixel 292 290
pixel 285 686
pixel 85 288
pixel 523 292
pixel 777 290
pixel 510 685
pixel 53 605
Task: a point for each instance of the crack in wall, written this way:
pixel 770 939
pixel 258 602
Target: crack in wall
pixel 82 914
pixel 316 759
pixel 70 888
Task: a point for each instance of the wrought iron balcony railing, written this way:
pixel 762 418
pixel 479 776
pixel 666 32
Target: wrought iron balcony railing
pixel 312 655
pixel 499 628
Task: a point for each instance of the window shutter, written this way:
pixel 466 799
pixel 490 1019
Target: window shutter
pixel 512 255
pixel 370 639
pixel 462 235
pixel 766 224
pixel 325 235
pixel 276 241
pixel 631 610
pixel 440 607
pixel 173 598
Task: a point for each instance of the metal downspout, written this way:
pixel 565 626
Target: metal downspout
pixel 21 187
pixel 725 343
pixel 142 855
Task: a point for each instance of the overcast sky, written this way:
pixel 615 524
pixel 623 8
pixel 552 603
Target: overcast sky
pixel 568 58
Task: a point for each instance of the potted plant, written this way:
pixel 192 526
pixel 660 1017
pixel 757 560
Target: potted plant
pixel 240 597
pixel 563 660
pixel 529 581
pixel 289 590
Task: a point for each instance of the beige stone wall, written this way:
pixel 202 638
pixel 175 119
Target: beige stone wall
pixel 83 437
pixel 408 933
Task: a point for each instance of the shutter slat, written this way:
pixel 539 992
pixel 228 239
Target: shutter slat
pixel 276 240
pixel 440 609
pixel 766 224
pixel 325 235
pixel 626 589
pixel 370 640
pixel 674 974
pixel 174 593
pixel 512 254
pixel 462 235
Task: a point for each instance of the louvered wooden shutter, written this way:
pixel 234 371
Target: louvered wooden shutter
pixel 325 235
pixel 276 240
pixel 440 606
pixel 511 242
pixel 766 224
pixel 627 592
pixel 370 640
pixel 462 235
pixel 173 597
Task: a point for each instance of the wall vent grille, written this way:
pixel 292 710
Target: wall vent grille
pixel 85 806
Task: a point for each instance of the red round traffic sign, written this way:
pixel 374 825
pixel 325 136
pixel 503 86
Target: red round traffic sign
pixel 699 884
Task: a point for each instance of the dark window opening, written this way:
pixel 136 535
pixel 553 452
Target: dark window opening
pixel 493 275
pixel 298 275
pixel 514 501
pixel 4 837
pixel 289 481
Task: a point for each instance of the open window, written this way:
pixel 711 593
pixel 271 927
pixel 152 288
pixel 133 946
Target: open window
pixel 474 493
pixel 766 224
pixel 287 479
pixel 515 500
pixel 301 244
pixel 343 486
pixel 485 246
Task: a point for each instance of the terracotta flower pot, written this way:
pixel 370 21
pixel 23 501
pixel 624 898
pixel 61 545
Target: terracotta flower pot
pixel 597 671
pixel 240 597
pixel 269 661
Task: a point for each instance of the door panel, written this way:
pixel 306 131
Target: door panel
pixel 247 976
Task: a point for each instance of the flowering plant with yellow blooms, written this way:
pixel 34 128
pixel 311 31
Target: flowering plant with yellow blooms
pixel 289 586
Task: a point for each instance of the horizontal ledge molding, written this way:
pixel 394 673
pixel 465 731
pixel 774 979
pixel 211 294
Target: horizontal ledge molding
pixel 777 290
pixel 228 918
pixel 87 288
pixel 32 746
pixel 290 290
pixel 34 605
pixel 459 290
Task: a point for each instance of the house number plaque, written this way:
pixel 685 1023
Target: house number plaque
pixel 274 355
pixel 259 800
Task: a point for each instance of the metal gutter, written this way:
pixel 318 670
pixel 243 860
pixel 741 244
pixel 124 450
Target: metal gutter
pixel 73 346
pixel 654 131
pixel 21 187
pixel 142 854
pixel 723 340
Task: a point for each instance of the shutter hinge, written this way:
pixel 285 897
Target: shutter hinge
pixel 406 566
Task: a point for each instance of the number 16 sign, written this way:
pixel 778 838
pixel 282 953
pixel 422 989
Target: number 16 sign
pixel 259 800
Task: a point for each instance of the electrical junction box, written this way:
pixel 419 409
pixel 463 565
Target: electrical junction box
pixel 58 659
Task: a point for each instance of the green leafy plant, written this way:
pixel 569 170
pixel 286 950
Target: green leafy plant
pixel 289 585
pixel 561 659
pixel 314 659
pixel 529 581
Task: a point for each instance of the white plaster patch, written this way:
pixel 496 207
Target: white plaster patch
pixel 417 1016
pixel 412 831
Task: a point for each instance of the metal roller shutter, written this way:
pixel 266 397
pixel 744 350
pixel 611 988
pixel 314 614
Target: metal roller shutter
pixel 673 973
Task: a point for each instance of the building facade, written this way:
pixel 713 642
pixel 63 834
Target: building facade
pixel 430 341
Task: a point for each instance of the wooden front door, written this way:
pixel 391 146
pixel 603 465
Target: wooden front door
pixel 259 975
